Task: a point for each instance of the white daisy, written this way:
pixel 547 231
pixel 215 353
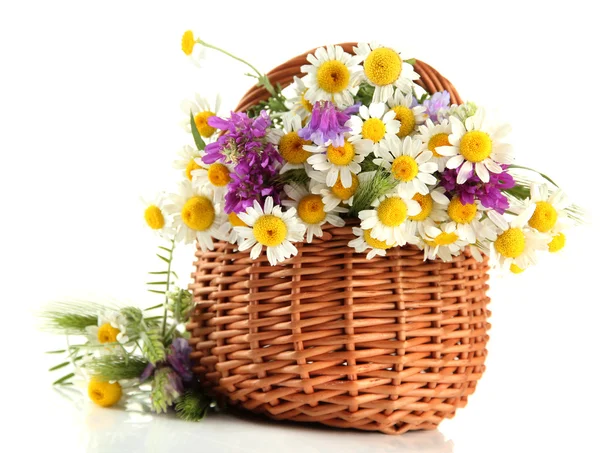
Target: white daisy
pixel 365 241
pixel 228 231
pixel 339 161
pixel 201 110
pixel 188 162
pixel 409 117
pixel 517 243
pixel 410 164
pixel 441 241
pixel 298 104
pixel 214 176
pixel 333 75
pixel 467 221
pixel 196 53
pixel 196 216
pixel 433 207
pixel 290 144
pixel 434 135
pixel 156 216
pixel 373 123
pixel 111 328
pixel 387 221
pixel 337 194
pixel 311 210
pixel 475 144
pixel 384 69
pixel 272 228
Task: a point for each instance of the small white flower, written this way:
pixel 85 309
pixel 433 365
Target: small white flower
pixel 111 329
pixel 364 241
pixel 466 219
pixel 227 229
pixel 156 216
pixel 376 124
pixel 188 161
pixel 433 136
pixel 272 228
pixel 410 164
pixel 311 210
pixel 433 206
pixel 441 241
pixel 476 145
pixel 298 104
pixel 409 117
pixel 337 194
pixel 333 75
pixel 290 144
pixel 201 110
pixel 215 177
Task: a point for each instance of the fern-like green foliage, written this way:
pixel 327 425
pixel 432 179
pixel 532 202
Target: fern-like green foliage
pixel 116 367
pixel 193 406
pixel 378 185
pixel 69 318
pixel 152 344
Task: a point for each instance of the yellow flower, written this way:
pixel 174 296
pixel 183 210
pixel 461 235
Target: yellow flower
pixel 188 42
pixel 104 394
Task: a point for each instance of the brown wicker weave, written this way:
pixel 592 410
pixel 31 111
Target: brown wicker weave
pixel 390 344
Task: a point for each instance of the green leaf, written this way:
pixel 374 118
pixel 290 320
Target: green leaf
pixel 157 283
pixel 59 366
pixel 63 379
pixel 197 137
pixel 157 292
pixel 58 351
pixel 411 61
pixel 155 306
pixel 166 260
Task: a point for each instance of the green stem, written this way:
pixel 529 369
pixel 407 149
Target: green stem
pixel 261 77
pixel 547 178
pixel 166 303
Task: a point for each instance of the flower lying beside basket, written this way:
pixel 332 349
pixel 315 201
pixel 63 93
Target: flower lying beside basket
pixel 344 228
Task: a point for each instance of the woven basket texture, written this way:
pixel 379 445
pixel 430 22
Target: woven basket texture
pixel 392 344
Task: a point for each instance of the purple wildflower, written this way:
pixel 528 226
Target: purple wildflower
pixel 490 194
pixel 179 358
pixel 437 102
pixel 327 123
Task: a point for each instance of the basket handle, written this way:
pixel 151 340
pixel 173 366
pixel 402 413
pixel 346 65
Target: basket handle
pixel 430 80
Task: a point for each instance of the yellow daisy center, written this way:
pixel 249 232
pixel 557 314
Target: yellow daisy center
pixel 392 211
pixel 218 175
pixel 476 146
pixel 306 104
pixel 191 166
pixel 405 168
pixel 373 129
pixel 511 243
pixel 188 42
pixel 426 203
pixel 341 155
pixel 516 269
pixel 406 118
pixel 383 66
pixel 104 394
pixel 201 120
pixel 461 213
pixel 344 193
pixel 235 220
pixel 437 140
pixel 446 238
pixel 154 217
pixel 375 243
pixel 544 217
pixel 107 333
pixel 310 209
pixel 270 230
pixel 198 213
pixel 291 148
pixel 333 76
pixel 557 243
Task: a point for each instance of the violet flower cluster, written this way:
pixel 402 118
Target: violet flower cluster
pixel 254 161
pixel 328 123
pixel 490 193
pixel 178 364
pixel 436 105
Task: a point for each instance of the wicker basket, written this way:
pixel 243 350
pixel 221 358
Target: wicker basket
pixel 390 344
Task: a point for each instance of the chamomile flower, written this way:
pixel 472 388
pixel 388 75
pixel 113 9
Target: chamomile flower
pixel 435 135
pixel 409 117
pixel 228 231
pixel 332 75
pixel 364 241
pixel 290 144
pixel 311 210
pixel 156 216
pixel 476 145
pixel 111 328
pixel 433 207
pixel 441 241
pixel 189 160
pixel 271 228
pixel 466 220
pixel 214 176
pixel 410 164
pixel 384 69
pixel 550 215
pixel 196 216
pixel 337 194
pixel 517 243
pixel 202 111
pixel 298 104
pixel 339 161
pixel 387 221
pixel 188 45
pixel 375 124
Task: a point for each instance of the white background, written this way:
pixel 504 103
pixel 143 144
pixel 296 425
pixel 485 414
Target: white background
pixel 89 110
